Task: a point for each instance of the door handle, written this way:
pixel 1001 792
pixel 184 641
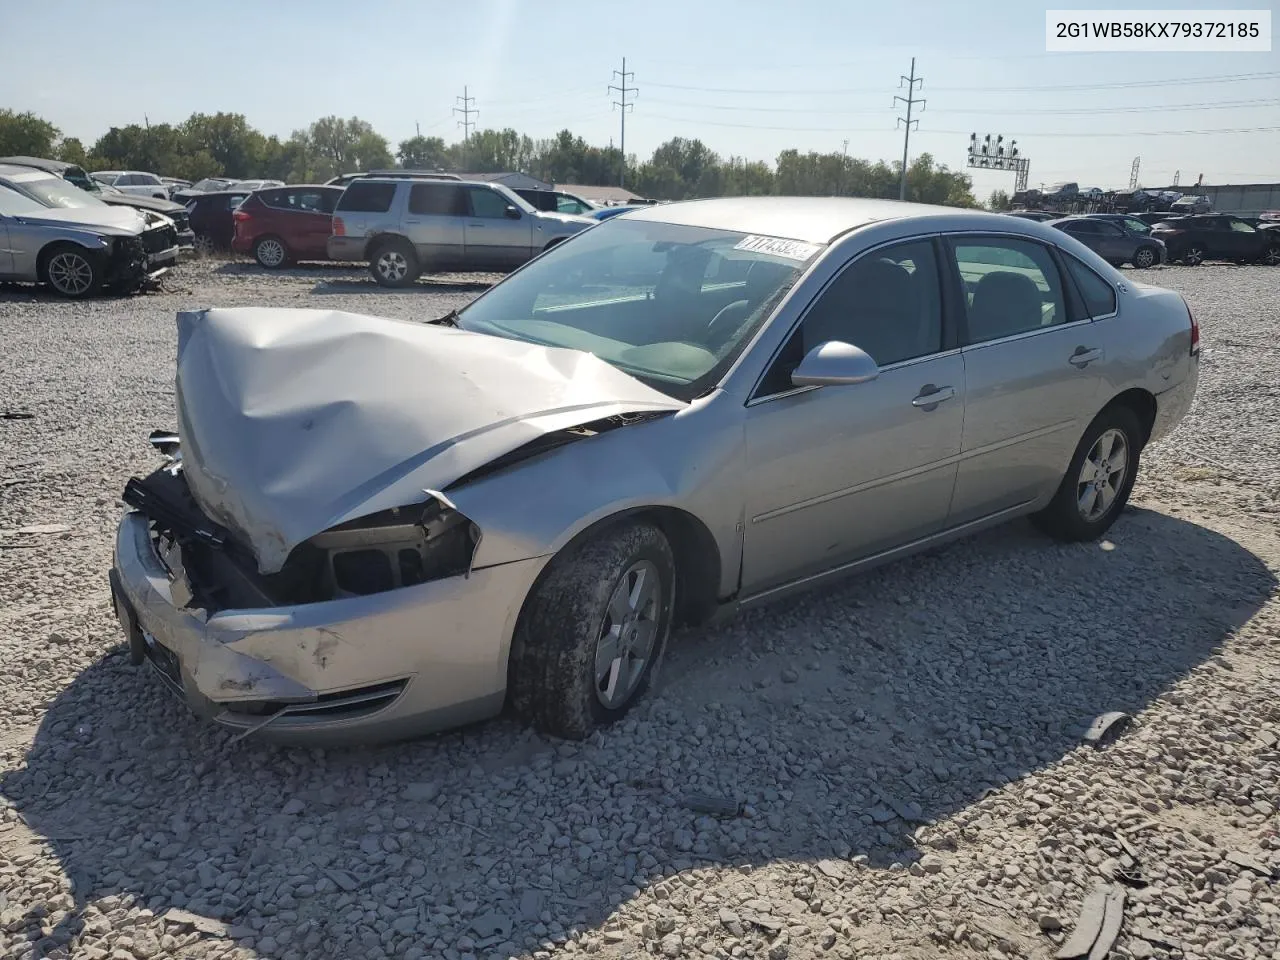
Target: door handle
pixel 930 396
pixel 413 221
pixel 475 224
pixel 1085 356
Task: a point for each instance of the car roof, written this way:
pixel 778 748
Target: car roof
pixel 811 219
pixel 13 171
pixel 53 166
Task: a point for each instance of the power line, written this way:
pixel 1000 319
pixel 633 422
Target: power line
pixel 466 123
pixel 1126 84
pixel 623 106
pixel 910 100
pixel 1214 105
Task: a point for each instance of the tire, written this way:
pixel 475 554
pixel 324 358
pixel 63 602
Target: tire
pixel 561 677
pixel 271 252
pixel 394 264
pixel 1272 256
pixel 203 245
pixel 1066 518
pixel 71 271
pixel 1194 255
pixel 1145 257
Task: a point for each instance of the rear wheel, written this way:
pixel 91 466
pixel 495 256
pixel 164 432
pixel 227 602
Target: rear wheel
pixel 270 252
pixel 1098 481
pixel 394 264
pixel 591 631
pixel 1145 257
pixel 1272 257
pixel 71 270
pixel 204 245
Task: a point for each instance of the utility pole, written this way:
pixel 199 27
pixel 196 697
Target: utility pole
pixel 910 100
pixel 623 106
pixel 844 163
pixel 417 128
pixel 1177 175
pixel 1133 173
pixel 466 123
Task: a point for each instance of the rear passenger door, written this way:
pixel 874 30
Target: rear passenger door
pixel 1032 359
pixel 497 239
pixel 435 222
pixel 310 213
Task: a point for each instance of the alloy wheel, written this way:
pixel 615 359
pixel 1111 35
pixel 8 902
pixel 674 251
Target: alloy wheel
pixel 1102 475
pixel 1272 257
pixel 1144 258
pixel 70 274
pixel 628 634
pixel 270 252
pixel 392 265
pixel 203 244
pixel 1194 257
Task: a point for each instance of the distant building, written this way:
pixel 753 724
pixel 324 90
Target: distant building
pixel 515 181
pixel 603 195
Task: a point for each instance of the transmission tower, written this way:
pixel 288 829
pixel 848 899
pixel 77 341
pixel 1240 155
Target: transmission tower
pixel 466 123
pixel 1133 173
pixel 623 90
pixel 1177 175
pixel 910 100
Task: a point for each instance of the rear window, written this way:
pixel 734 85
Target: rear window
pixel 1099 297
pixel 363 197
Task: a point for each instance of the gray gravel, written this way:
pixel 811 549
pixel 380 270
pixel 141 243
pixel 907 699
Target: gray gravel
pixel 906 748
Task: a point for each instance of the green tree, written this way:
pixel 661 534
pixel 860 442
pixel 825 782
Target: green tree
pixel 71 150
pixel 235 146
pixel 25 134
pixel 423 153
pixel 999 200
pixel 342 145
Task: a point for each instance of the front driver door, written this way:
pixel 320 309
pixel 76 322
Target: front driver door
pixel 495 240
pixel 839 473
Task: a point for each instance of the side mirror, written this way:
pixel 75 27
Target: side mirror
pixel 512 213
pixel 834 363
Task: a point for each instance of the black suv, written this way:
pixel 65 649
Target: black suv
pixel 1217 236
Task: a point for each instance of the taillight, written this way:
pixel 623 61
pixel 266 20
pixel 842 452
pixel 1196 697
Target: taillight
pixel 240 215
pixel 1195 331
pixel 339 229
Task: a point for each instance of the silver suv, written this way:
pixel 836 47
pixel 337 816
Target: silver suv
pixel 404 227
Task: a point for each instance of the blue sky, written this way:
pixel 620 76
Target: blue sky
pixel 748 77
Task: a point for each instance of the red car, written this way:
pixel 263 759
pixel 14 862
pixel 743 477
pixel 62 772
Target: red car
pixel 279 225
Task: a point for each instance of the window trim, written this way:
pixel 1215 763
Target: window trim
pixel 1052 249
pixel 472 188
pixel 950 344
pixel 1064 269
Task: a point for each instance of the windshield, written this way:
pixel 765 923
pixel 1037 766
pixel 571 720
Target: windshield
pixel 56 192
pixel 15 204
pixel 210 183
pixel 672 305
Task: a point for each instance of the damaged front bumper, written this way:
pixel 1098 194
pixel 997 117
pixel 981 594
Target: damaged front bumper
pixel 361 669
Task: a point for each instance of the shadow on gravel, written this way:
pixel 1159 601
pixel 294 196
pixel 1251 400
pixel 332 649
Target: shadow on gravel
pixel 841 718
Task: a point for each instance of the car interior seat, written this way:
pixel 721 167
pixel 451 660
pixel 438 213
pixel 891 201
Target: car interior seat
pixel 1004 303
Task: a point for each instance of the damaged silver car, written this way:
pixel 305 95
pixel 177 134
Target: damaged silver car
pixel 368 529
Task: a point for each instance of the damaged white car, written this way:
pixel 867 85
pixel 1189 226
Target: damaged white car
pixel 369 529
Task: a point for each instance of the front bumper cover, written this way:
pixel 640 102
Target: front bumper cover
pixel 362 669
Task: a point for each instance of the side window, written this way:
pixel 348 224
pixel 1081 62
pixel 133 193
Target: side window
pixel 365 197
pixel 569 205
pixel 1109 230
pixel 488 204
pixel 1099 297
pixel 1011 286
pixel 308 200
pixel 886 302
pixel 328 200
pixel 435 200
pixel 1239 226
pixel 126 180
pixel 1137 226
pixel 276 199
pixel 1081 227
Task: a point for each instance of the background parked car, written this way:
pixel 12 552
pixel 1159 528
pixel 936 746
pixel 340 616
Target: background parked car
pixel 1153 218
pixel 212 221
pixel 283 224
pixel 250 185
pixel 605 213
pixel 403 227
pixel 1192 204
pixel 207 185
pixel 342 179
pixel 74 174
pixel 556 201
pixel 1038 215
pixel 1217 236
pixel 57 234
pixel 133 181
pixel 1114 242
pixel 173 185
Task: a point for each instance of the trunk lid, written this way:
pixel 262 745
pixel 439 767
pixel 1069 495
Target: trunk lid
pixel 293 421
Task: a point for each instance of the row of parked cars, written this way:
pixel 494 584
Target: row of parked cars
pixel 1149 239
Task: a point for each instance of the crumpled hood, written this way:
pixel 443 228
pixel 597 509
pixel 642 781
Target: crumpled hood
pixel 113 220
pixel 293 421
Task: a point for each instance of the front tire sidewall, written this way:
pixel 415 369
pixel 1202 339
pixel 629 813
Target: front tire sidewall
pixel 551 671
pixel 1145 258
pixel 411 260
pixel 1061 519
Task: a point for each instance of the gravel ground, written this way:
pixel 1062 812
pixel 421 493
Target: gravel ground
pixel 908 746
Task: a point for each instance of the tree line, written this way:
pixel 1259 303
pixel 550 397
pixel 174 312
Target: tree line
pixel 224 144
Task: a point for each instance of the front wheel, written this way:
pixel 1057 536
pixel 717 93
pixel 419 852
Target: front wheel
pixel 591 631
pixel 1145 257
pixel 72 271
pixel 1098 481
pixel 1272 257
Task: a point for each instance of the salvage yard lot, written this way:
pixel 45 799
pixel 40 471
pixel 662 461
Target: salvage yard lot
pixel 907 744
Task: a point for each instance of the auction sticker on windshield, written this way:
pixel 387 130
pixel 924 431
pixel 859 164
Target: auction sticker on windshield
pixel 779 247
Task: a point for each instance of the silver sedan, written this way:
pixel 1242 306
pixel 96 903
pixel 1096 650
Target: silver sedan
pixel 369 529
